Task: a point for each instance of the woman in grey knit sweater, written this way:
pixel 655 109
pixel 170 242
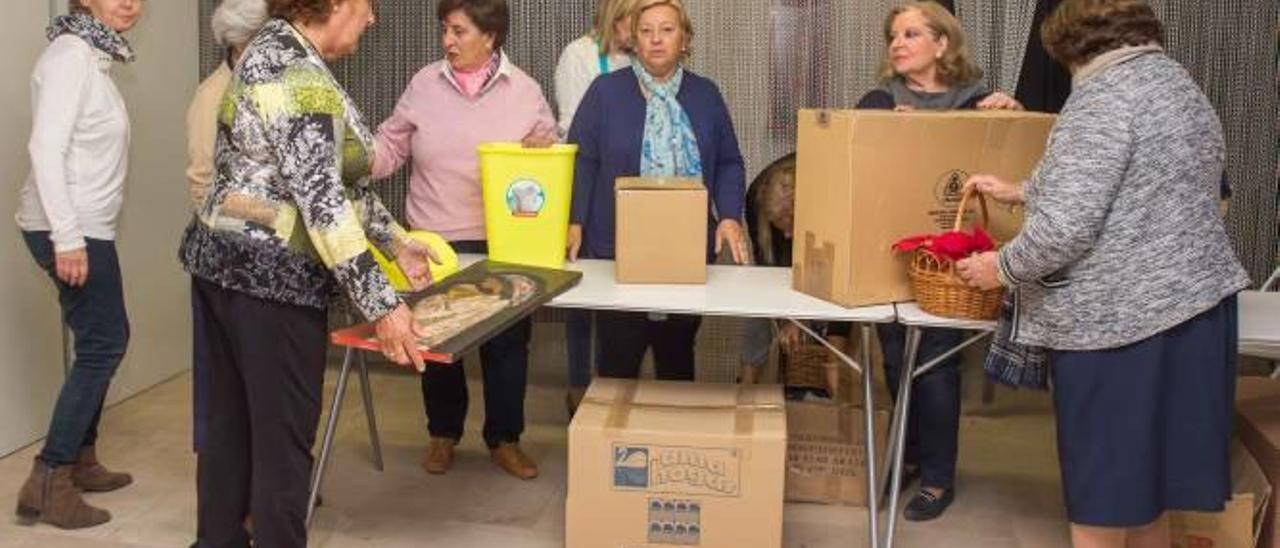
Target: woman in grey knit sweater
pixel 1123 272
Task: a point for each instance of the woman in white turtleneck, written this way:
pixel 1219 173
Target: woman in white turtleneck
pixel 69 207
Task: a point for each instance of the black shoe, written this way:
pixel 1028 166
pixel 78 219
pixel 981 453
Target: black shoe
pixel 926 506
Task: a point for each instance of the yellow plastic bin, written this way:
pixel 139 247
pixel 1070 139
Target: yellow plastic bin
pixel 527 192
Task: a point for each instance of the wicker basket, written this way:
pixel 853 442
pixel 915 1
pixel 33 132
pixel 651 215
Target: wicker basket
pixel 814 366
pixel 937 288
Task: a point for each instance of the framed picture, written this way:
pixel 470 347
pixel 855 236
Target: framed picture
pixel 466 309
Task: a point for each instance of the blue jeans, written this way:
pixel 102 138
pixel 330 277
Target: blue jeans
pixel 933 427
pixel 96 315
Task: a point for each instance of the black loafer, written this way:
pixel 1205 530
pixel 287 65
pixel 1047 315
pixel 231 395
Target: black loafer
pixel 926 506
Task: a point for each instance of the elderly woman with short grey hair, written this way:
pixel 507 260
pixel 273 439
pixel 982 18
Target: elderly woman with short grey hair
pixel 234 24
pixel 1124 275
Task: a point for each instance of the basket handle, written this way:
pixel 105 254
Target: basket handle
pixel 964 202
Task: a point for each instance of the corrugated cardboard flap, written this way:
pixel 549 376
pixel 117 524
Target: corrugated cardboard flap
pixel 702 409
pixel 658 183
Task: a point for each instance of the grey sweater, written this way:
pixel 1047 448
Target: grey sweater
pixel 1122 238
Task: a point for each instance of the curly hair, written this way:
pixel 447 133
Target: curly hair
pixel 303 11
pixel 490 16
pixel 956 67
pixel 1080 30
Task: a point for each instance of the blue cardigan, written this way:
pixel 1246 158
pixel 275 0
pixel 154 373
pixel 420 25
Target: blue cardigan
pixel 609 128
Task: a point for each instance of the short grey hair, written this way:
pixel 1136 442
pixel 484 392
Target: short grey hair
pixel 235 22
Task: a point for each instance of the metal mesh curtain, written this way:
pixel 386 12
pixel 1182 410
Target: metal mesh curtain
pixel 1231 50
pixel 772 57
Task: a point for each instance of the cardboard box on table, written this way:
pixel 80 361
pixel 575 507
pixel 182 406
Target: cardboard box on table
pixel 661 231
pixel 656 463
pixel 866 179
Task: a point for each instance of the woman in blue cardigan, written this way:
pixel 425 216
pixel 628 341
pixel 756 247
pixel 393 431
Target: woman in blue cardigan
pixel 656 119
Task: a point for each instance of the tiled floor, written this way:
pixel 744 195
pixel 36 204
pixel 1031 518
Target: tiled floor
pixel 1009 494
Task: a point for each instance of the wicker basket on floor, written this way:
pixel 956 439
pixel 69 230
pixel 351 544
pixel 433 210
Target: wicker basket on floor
pixel 940 291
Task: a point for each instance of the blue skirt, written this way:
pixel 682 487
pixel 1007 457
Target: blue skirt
pixel 1146 428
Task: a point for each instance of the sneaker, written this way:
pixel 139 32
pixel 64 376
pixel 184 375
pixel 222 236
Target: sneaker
pixel 926 505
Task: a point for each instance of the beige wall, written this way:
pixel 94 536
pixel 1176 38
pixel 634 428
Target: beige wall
pixel 30 337
pixel 156 89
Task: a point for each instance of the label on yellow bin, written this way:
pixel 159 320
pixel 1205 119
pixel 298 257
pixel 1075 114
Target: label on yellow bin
pixel 527 195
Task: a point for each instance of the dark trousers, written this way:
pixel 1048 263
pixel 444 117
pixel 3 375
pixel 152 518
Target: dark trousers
pixel 266 372
pixel 933 427
pixel 577 337
pixel 200 377
pixel 505 367
pixel 96 315
pixel 623 338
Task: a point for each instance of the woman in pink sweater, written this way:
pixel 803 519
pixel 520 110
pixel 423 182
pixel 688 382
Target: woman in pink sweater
pixel 475 95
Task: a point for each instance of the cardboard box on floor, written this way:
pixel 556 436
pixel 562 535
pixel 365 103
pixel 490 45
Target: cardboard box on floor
pixel 661 230
pixel 826 452
pixel 866 179
pixel 655 463
pixel 826 440
pixel 1258 425
pixel 1240 523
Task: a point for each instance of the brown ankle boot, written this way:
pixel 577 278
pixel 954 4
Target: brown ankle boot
pixel 439 457
pixel 51 497
pixel 89 475
pixel 509 457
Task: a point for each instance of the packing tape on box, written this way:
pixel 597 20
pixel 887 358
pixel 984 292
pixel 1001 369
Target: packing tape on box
pixel 743 419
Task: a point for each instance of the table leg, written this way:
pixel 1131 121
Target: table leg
pixel 902 417
pixel 317 474
pixel 366 392
pixel 869 416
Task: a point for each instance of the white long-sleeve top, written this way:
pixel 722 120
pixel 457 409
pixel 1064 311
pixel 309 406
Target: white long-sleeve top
pixel 79 146
pixel 580 64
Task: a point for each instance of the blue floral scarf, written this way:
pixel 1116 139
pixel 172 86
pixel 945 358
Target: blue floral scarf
pixel 670 148
pixel 93 31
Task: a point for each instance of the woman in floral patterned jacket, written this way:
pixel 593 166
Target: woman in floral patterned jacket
pixel 284 229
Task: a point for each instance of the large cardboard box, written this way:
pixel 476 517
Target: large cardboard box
pixel 866 179
pixel 1258 424
pixel 1240 523
pixel 656 463
pixel 661 230
pixel 826 452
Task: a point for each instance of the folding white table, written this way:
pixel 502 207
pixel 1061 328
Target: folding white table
pixel 732 291
pixel 910 315
pixel 1260 324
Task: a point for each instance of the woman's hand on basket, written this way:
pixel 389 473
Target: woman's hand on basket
pixel 979 270
pixel 996 188
pixel 397 340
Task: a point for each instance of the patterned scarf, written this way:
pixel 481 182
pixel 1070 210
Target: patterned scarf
pixel 670 148
pixel 93 31
pixel 1010 363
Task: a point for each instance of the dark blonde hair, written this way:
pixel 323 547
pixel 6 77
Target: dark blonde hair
pixel 1079 30
pixel 608 13
pixel 686 24
pixel 956 67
